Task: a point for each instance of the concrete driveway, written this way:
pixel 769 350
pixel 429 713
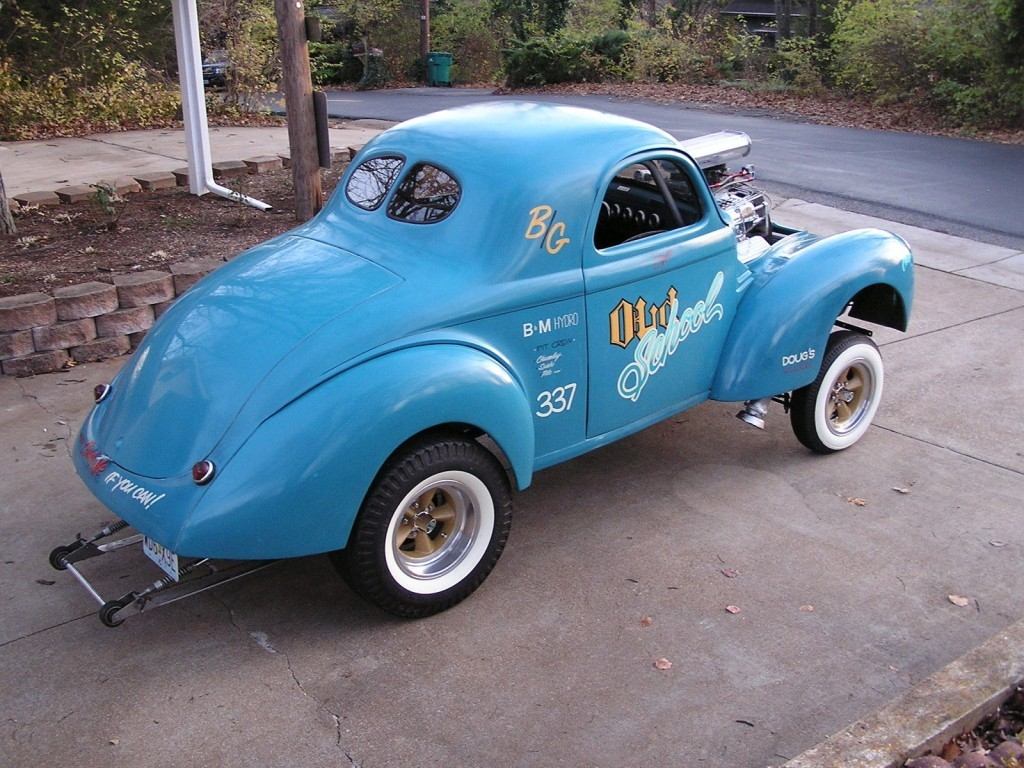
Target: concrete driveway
pixel 549 664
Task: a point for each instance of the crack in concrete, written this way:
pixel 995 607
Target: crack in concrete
pixel 59 420
pixel 135 149
pixel 13 640
pixel 951 450
pixel 298 684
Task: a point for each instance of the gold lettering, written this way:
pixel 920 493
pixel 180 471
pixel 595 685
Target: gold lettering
pixel 630 321
pixel 559 228
pixel 538 224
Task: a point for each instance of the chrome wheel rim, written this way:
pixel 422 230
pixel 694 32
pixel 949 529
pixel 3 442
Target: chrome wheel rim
pixel 435 528
pixel 849 398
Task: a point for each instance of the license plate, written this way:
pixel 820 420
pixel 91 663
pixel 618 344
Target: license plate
pixel 162 556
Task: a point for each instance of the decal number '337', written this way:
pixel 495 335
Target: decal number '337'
pixel 555 400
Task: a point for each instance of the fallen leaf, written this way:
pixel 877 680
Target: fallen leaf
pixel 45 582
pixel 904 491
pixel 730 573
pixel 857 502
pixel 950 752
pixel 663 664
pixel 646 621
pixel 959 600
pixel 114 742
pixel 997 543
pixel 732 609
pixel 807 608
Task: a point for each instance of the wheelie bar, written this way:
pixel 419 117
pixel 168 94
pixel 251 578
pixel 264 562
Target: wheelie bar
pixel 205 574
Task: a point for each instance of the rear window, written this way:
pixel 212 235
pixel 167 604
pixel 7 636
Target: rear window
pixel 370 182
pixel 426 195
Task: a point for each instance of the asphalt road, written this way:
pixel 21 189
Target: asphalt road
pixel 969 188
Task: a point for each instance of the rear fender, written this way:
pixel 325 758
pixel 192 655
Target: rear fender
pixel 296 485
pixel 793 297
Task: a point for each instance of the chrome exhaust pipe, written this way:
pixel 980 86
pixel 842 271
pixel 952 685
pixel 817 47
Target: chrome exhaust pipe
pixel 754 412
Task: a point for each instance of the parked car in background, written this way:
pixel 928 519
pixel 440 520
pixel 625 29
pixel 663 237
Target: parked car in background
pixel 215 69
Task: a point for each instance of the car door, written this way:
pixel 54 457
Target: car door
pixel 660 274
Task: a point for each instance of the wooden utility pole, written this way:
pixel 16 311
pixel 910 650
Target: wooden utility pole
pixel 298 102
pixel 425 37
pixel 6 219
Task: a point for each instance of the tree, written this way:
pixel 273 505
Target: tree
pixel 367 19
pixel 6 219
pixel 529 18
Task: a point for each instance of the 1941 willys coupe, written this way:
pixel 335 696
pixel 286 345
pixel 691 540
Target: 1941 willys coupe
pixel 490 291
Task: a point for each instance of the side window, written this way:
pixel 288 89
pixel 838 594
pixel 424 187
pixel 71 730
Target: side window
pixel 369 183
pixel 426 195
pixel 645 199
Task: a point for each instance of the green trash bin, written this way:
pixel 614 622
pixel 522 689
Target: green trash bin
pixel 439 69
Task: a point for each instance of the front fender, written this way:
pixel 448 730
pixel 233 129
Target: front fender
pixel 296 484
pixel 795 293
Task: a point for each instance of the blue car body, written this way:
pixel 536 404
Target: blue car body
pixel 299 367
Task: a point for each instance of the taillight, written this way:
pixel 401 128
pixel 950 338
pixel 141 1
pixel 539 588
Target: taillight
pixel 202 472
pixel 100 391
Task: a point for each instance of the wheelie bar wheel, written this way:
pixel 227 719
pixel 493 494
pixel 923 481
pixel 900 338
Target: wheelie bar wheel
pixel 58 554
pixel 109 610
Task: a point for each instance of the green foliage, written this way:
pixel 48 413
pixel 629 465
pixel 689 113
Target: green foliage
pixel 254 66
pixel 879 46
pixel 66 103
pixel 682 48
pixel 532 18
pixel 43 37
pixel 801 63
pixel 334 63
pixel 554 59
pixel 474 38
pixel 959 55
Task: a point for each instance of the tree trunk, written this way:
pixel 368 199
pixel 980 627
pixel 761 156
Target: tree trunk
pixel 783 16
pixel 6 219
pixel 298 101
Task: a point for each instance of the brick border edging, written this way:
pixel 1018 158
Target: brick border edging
pixel 93 321
pixel 150 182
pixel 943 705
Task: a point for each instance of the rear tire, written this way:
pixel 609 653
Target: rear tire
pixel 431 528
pixel 835 410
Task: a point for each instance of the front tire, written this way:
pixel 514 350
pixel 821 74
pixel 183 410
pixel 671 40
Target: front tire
pixel 835 410
pixel 431 528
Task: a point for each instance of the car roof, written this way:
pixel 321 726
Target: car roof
pixel 539 143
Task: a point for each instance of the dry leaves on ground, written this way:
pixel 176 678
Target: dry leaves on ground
pixel 732 609
pixel 663 664
pixel 959 600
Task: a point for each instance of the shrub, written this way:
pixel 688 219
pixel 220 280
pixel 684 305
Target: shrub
pixel 554 59
pixel 800 62
pixel 333 64
pixel 879 47
pixel 474 39
pixel 62 104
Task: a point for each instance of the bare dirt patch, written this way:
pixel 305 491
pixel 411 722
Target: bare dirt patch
pixel 70 244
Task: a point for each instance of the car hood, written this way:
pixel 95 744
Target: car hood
pixel 206 355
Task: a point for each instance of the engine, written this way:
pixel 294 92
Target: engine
pixel 745 207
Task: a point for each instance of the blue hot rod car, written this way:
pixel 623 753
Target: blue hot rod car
pixel 490 291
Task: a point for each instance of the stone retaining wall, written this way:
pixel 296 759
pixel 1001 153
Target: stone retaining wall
pixel 91 321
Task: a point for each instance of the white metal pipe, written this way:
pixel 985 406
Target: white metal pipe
pixel 193 107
